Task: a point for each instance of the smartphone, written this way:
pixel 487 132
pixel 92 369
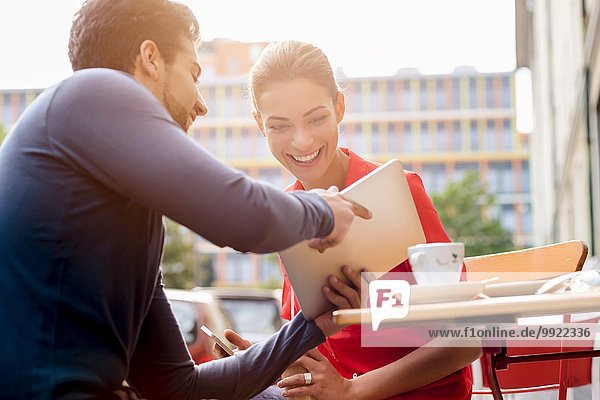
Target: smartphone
pixel 217 340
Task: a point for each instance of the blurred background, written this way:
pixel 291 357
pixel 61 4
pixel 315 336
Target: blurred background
pixel 494 103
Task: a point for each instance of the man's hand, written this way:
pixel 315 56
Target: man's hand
pixel 342 296
pixel 344 211
pixel 234 338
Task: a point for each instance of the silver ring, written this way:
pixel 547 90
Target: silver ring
pixel 307 378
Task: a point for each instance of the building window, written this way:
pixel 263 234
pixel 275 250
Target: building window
pixel 473 93
pixel 490 136
pixel 507 217
pixel 434 177
pixel 425 137
pixel 406 96
pixel 474 136
pixel 506 92
pixel 461 169
pixel 500 178
pixel 358 141
pixel 375 139
pixel 507 135
pixel 407 138
pixel 261 147
pixel 525 177
pixel 526 219
pixel 22 103
pixel 6 112
pixel 391 95
pixel 456 93
pixel 228 101
pixel 441 137
pixel 423 99
pixel 440 95
pixel 489 92
pixel 239 268
pixel 356 98
pixel 392 138
pixel 210 99
pixel 456 137
pixel 245 143
pixel 374 96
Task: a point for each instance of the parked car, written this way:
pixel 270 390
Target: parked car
pixel 193 309
pixel 255 313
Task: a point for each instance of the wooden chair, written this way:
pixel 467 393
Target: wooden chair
pixel 542 262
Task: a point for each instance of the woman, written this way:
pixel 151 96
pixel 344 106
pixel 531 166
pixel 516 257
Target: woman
pixel 298 107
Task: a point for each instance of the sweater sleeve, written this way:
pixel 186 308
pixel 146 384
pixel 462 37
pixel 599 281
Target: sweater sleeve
pixel 108 126
pixel 161 367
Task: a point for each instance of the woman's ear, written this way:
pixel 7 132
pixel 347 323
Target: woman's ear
pixel 340 107
pixel 259 122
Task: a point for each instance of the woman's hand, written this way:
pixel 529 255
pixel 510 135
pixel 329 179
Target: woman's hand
pixel 342 295
pixel 323 381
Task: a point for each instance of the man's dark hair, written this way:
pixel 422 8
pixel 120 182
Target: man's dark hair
pixel 108 33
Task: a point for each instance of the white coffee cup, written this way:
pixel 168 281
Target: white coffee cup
pixel 436 263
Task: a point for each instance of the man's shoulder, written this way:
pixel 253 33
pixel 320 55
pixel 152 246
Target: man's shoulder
pixel 102 77
pixel 103 90
pixel 95 82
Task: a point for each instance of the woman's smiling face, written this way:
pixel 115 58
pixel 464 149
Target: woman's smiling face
pixel 300 120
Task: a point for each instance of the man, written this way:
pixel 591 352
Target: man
pixel 85 178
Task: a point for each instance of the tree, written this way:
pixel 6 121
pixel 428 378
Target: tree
pixel 182 267
pixel 464 208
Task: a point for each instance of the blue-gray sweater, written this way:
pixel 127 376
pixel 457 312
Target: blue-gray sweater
pixel 85 177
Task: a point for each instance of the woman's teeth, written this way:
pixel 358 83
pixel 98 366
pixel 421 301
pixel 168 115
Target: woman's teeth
pixel 308 157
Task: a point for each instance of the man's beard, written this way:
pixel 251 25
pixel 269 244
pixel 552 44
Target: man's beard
pixel 175 109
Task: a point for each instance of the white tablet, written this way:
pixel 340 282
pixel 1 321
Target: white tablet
pixel 378 244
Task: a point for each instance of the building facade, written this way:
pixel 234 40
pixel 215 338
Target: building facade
pixel 438 125
pixel 560 41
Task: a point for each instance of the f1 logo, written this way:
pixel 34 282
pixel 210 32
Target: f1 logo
pixel 388 299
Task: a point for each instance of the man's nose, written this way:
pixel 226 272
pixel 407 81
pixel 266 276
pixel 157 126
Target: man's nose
pixel 200 106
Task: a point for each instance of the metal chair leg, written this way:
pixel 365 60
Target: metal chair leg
pixel 563 366
pixel 493 378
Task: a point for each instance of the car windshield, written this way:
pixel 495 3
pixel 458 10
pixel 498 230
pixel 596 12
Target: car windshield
pixel 251 316
pixel 186 318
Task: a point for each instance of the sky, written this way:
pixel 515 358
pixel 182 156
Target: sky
pixel 365 38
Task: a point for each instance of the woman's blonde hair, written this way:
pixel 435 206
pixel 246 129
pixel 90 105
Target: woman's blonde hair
pixel 287 60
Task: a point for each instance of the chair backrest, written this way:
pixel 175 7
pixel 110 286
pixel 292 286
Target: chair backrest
pixel 542 262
